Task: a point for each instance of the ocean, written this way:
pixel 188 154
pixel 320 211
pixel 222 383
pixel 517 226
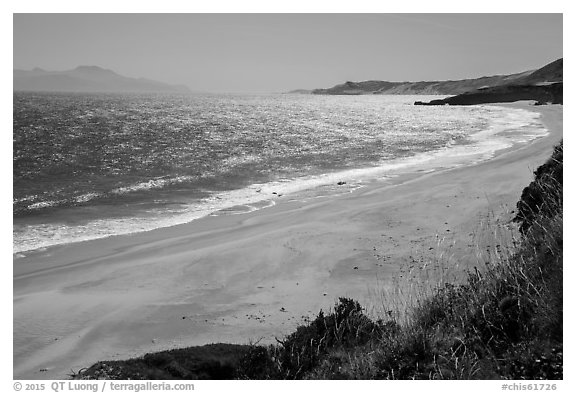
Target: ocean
pixel 87 166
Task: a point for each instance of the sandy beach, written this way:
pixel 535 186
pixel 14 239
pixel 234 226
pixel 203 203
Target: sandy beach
pixel 252 277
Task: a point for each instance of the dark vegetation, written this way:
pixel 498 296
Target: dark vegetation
pixel 544 194
pixel 504 322
pixel 213 361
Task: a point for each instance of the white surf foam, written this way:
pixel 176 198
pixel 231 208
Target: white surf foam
pixel 506 127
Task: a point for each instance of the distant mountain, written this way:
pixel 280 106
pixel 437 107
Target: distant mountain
pixel 550 73
pixel 544 85
pixel 299 91
pixel 87 79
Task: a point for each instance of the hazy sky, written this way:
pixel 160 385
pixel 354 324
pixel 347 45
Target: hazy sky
pixel 280 52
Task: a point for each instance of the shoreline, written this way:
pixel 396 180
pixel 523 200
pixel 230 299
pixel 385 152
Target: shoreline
pixel 236 278
pixel 37 234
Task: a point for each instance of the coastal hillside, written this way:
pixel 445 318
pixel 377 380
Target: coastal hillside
pixel 544 86
pixel 87 79
pixel 550 73
pixel 542 94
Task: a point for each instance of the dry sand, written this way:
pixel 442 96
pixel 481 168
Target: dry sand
pixel 250 277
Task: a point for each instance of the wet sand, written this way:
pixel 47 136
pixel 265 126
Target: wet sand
pixel 252 277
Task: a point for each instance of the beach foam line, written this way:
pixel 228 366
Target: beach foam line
pixel 156 183
pixel 515 126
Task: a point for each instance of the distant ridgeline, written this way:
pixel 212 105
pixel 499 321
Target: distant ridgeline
pixel 87 79
pixel 543 85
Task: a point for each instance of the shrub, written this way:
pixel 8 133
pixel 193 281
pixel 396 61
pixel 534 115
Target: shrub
pixel 345 327
pixel 543 196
